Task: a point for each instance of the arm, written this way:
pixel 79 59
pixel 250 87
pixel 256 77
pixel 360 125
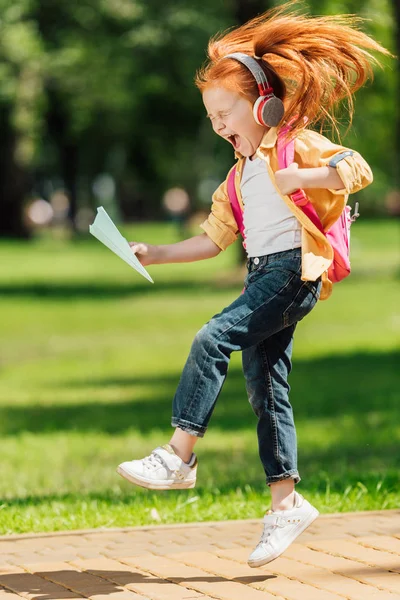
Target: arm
pixel 220 231
pixel 314 150
pixel 195 248
pixel 292 178
pixel 348 173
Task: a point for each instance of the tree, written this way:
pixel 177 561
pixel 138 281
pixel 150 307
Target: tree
pixel 94 86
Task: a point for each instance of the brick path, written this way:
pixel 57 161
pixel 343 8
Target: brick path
pixel 354 555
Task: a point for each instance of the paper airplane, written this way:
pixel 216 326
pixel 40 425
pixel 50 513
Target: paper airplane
pixel 107 233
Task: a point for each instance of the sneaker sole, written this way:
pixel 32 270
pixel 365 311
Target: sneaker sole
pixel 295 534
pixel 151 485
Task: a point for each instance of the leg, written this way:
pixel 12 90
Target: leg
pixel 259 313
pixel 266 368
pixel 253 316
pixel 183 444
pixel 282 493
pixel 274 299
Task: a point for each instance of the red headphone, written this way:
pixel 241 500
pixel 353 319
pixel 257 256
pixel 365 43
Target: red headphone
pixel 268 110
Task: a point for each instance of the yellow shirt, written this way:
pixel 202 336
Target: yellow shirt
pixel 311 150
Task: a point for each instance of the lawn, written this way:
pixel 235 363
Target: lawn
pixel 91 354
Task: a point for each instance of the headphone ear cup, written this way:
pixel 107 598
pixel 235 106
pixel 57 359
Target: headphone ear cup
pixel 257 110
pixel 268 111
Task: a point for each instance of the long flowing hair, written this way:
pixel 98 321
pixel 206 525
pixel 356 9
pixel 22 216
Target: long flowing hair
pixel 314 64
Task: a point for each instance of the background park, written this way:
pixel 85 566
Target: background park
pixel 98 107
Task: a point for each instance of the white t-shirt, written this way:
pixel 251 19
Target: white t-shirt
pixel 269 224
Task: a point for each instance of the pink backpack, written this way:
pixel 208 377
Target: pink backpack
pixel 338 235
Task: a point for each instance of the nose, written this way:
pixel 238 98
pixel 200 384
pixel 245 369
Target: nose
pixel 219 126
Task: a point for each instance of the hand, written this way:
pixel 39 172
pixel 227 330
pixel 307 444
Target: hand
pixel 288 180
pixel 145 253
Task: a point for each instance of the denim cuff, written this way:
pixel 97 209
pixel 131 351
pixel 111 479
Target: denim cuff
pixel 189 427
pixel 288 475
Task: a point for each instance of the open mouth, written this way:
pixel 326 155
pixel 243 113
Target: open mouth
pixel 234 140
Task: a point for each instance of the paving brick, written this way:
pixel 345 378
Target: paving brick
pixel 197 579
pixel 381 542
pixel 33 586
pixel 359 553
pixel 51 566
pixel 324 579
pixel 237 554
pixel 220 566
pixel 373 580
pixel 112 553
pixel 291 589
pixel 31 558
pixel 76 541
pixel 6 561
pixel 168 551
pixel 9 569
pixel 117 595
pixel 7 595
pixel 150 586
pixel 82 583
pixel 285 568
pixel 228 569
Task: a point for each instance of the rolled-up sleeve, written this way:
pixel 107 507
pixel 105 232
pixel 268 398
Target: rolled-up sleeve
pixel 220 225
pixel 315 150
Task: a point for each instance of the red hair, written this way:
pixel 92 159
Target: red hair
pixel 312 63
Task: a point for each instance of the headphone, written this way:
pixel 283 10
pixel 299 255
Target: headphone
pixel 268 110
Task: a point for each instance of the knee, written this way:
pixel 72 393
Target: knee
pixel 205 337
pixel 256 399
pixel 256 404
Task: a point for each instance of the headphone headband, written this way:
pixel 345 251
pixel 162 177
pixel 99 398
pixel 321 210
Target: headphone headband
pixel 268 110
pixel 255 69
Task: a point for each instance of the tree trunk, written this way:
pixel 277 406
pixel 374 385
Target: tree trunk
pixel 69 169
pixel 67 150
pixel 247 9
pixel 14 182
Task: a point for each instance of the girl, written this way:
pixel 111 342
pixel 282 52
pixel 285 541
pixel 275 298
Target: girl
pixel 311 64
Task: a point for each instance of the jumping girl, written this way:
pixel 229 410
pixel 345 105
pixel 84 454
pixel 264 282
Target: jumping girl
pixel 279 69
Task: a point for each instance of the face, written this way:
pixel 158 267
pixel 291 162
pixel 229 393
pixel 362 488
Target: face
pixel 232 118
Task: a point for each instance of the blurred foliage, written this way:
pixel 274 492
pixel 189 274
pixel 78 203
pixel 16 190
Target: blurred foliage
pixel 107 86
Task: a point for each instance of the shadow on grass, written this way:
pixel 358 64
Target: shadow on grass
pixel 346 407
pixel 231 281
pixel 356 384
pixel 104 290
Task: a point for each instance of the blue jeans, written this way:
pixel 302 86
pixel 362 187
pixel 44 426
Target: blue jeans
pixel 260 323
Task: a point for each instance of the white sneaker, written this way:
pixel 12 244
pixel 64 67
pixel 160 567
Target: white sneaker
pixel 281 528
pixel 162 470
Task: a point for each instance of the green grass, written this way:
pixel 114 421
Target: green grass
pixel 91 355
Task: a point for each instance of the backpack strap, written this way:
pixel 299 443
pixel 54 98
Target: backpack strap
pixel 233 199
pixel 285 151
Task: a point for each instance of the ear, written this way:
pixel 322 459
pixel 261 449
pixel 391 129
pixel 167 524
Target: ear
pixel 268 111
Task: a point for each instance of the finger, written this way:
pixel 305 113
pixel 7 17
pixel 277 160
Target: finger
pixel 139 249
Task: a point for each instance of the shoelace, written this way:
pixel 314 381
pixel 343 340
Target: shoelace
pixel 268 529
pixel 153 460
